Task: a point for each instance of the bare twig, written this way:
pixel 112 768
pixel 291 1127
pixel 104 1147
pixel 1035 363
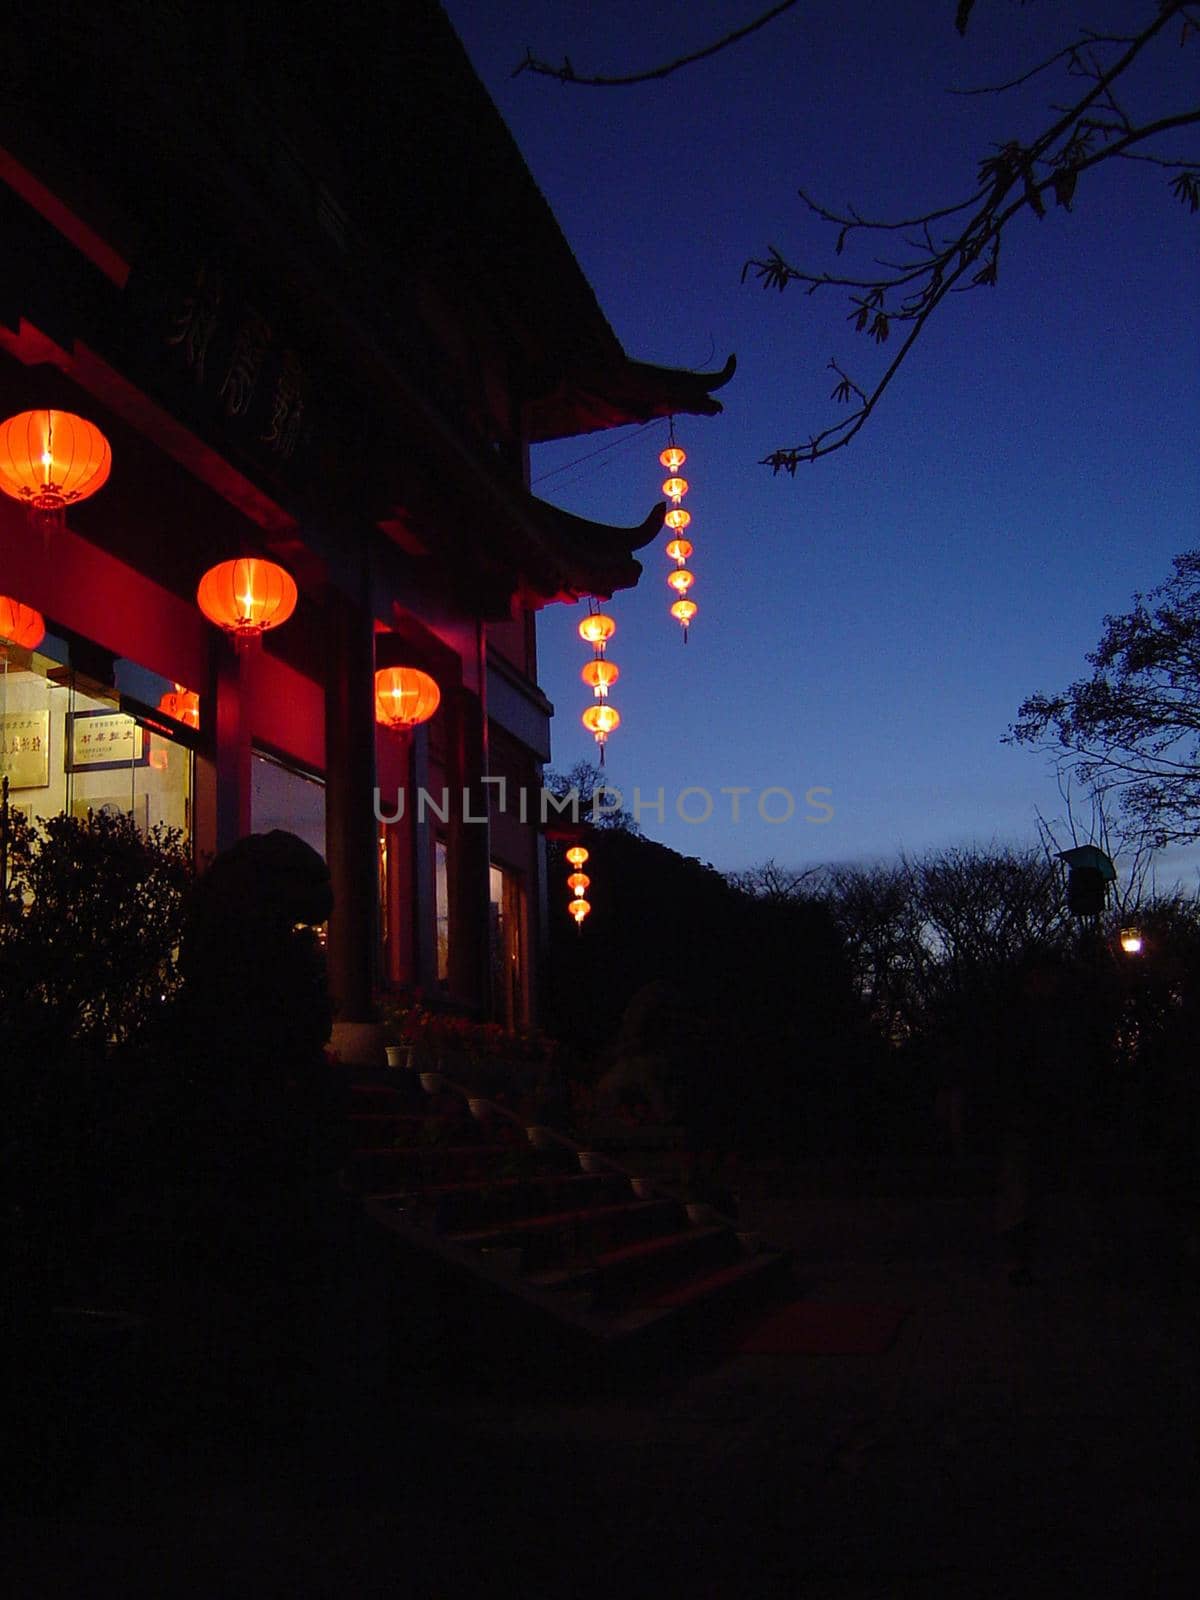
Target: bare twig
pixel 567 74
pixel 1067 53
pixel 1096 128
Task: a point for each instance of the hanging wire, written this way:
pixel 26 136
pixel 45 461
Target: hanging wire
pixel 591 455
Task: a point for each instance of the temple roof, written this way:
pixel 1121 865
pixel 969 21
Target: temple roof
pixel 578 557
pixel 629 391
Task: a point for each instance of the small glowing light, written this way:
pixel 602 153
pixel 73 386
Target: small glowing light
pixel 1131 941
pixel 681 580
pixel 684 610
pixel 677 519
pixel 679 550
pixel 579 909
pixel 673 458
pixel 579 881
pixel 577 855
pixel 675 489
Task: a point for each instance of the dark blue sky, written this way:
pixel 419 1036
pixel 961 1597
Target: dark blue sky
pixel 871 626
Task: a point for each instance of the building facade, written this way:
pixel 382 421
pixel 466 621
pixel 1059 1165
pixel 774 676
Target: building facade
pixel 292 266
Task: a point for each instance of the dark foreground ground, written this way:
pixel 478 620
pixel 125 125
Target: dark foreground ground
pixel 1012 1440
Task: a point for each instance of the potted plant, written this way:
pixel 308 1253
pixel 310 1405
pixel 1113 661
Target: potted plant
pixel 402 1025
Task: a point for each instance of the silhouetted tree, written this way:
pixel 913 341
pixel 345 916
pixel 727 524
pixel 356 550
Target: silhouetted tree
pixel 774 1018
pixel 594 801
pixel 1132 730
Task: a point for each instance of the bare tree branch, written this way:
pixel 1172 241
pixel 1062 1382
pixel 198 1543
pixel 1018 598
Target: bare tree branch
pixel 567 74
pixel 1018 177
pixel 1067 53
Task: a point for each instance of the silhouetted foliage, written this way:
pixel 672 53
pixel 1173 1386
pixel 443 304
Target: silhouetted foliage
pixel 91 923
pixel 592 799
pixel 773 1020
pixel 1132 730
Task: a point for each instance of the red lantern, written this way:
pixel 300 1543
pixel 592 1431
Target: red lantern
pixel 577 855
pixel 681 580
pixel 679 550
pixel 578 881
pixel 600 675
pixel 246 597
pixel 673 458
pixel 683 611
pixel 579 909
pixel 600 721
pixel 677 519
pixel 50 459
pixel 405 697
pixel 20 625
pixel 183 705
pixel 675 489
pixel 597 630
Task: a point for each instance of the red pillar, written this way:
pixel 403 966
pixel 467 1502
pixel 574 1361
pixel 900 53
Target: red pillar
pixel 350 826
pixel 469 858
pixel 233 744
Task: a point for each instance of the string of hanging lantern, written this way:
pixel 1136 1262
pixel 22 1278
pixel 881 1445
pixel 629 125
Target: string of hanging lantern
pixel 578 883
pixel 599 674
pixel 677 520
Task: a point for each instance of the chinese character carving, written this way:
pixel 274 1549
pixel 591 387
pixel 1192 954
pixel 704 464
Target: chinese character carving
pixel 249 347
pixel 287 407
pixel 198 318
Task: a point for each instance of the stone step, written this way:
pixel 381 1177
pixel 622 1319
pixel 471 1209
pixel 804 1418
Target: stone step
pixel 577 1238
pixel 616 1277
pixel 384 1170
pixel 461 1207
pixel 376 1130
pixel 405 1094
pixel 710 1286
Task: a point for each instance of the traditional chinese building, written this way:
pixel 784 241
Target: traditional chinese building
pixel 292 266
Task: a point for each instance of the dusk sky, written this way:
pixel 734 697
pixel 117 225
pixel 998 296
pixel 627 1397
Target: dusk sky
pixel 871 626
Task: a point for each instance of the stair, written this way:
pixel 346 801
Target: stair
pixel 517 1258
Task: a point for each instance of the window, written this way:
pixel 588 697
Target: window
pixel 441 900
pixel 283 796
pixel 70 743
pixel 507 946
